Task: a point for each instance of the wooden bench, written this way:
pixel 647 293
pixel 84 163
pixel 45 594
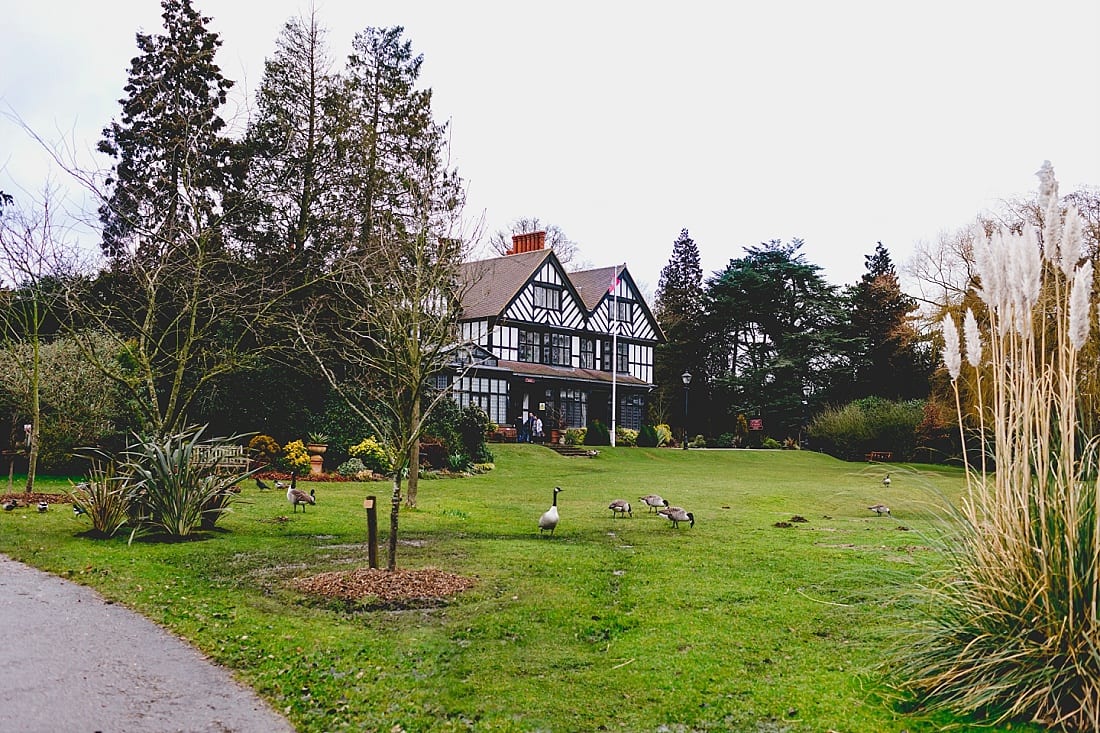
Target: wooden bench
pixel 882 456
pixel 224 458
pixel 503 434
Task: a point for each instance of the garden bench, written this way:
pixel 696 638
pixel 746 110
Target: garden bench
pixel 882 456
pixel 224 458
pixel 503 434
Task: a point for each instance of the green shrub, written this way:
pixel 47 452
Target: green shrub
pixel 373 455
pixel 473 423
pixel 771 443
pixel 575 436
pixel 725 440
pixel 869 424
pixel 263 449
pixel 698 442
pixel 295 458
pixel 176 493
pixel 597 434
pixel 352 467
pixel 647 437
pixel 104 498
pixel 626 437
pixel 458 462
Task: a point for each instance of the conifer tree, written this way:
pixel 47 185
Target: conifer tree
pixel 887 360
pixel 291 151
pixel 679 310
pixel 773 336
pixel 396 152
pixel 172 160
pixel 178 302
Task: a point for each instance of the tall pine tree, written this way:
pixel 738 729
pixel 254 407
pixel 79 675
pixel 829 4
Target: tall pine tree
pixel 292 153
pixel 395 151
pixel 176 300
pixel 679 310
pixel 173 163
pixel 887 357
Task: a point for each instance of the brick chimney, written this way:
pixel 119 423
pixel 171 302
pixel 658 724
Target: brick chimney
pixel 530 242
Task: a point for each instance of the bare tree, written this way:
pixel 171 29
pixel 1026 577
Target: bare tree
pixel 944 269
pixel 386 329
pixel 566 249
pixel 37 260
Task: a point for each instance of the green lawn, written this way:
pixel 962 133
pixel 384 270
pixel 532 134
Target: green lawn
pixel 612 624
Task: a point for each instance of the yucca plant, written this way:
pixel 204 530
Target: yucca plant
pixel 104 498
pixel 177 491
pixel 1014 630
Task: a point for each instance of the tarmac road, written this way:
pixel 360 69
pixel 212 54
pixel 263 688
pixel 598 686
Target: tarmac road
pixel 70 662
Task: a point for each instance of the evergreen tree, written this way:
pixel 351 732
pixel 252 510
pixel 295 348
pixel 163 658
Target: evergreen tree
pixel 395 151
pixel 678 307
pixel 172 161
pixel 887 360
pixel 774 340
pixel 292 154
pixel 176 301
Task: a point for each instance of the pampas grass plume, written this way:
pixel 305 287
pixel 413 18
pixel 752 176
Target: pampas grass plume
pixel 1079 305
pixel 973 339
pixel 951 356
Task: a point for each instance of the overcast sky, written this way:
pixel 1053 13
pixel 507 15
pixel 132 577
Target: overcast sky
pixel 842 123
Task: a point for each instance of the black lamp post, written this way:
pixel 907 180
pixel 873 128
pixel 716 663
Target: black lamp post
pixel 686 376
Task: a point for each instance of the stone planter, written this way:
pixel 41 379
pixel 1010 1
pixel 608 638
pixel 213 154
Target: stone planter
pixel 316 462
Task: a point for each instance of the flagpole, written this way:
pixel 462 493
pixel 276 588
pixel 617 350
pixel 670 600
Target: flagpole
pixel 614 348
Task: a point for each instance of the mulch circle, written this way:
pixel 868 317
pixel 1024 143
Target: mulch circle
pixel 426 584
pixel 32 498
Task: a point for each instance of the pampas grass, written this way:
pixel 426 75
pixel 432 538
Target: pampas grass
pixel 1012 630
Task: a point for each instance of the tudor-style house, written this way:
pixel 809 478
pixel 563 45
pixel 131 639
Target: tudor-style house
pixel 555 343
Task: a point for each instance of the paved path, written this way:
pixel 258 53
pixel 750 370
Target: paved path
pixel 72 662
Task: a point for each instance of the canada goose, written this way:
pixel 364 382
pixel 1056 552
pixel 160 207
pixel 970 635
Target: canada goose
pixel 620 506
pixel 886 480
pixel 10 504
pixel 653 501
pixel 297 496
pixel 77 510
pixel 549 518
pixel 43 506
pixel 880 509
pixel 262 486
pixel 676 515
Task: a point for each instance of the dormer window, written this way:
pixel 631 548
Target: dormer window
pixel 547 297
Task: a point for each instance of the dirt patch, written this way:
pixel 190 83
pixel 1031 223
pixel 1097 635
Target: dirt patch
pixel 395 588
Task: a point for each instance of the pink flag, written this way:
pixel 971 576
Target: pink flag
pixel 615 280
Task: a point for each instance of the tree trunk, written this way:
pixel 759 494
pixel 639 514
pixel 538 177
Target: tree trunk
pixel 36 414
pixel 414 459
pixel 395 508
pixel 32 456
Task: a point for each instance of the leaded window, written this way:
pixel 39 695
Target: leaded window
pixel 588 353
pixel 547 297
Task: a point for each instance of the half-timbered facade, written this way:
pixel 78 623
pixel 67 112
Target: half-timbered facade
pixel 561 344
